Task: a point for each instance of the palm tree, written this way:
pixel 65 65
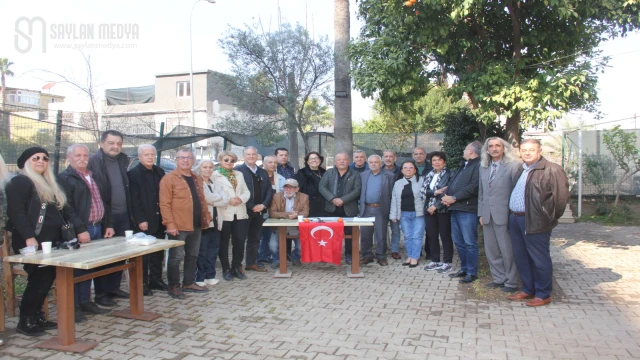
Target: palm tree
pixel 343 130
pixel 4 71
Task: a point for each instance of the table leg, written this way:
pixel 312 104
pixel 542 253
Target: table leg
pixel 355 254
pixel 136 298
pixel 282 241
pixel 66 339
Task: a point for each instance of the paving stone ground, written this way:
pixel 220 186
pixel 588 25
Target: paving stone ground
pixel 393 313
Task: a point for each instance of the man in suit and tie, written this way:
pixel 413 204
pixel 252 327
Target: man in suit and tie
pixel 375 201
pixel 340 187
pixel 497 169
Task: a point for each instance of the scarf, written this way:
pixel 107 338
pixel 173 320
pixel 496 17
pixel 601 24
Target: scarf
pixel 427 182
pixel 230 175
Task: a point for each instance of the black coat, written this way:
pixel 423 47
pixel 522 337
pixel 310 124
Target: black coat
pixel 23 210
pixel 99 170
pixel 79 200
pixel 309 184
pixel 145 198
pixel 464 186
pixel 265 187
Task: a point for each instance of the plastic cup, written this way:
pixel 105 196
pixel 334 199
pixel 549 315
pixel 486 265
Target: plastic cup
pixel 46 247
pixel 300 218
pixel 128 233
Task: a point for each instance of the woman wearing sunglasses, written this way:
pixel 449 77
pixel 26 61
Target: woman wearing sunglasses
pixel 233 213
pixel 27 193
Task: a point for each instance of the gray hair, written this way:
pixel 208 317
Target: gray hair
pixel 532 141
pixel 419 147
pixel 249 148
pixel 222 154
pixel 374 156
pixel 268 157
pixel 506 158
pixel 341 153
pixel 391 151
pixel 74 146
pixel 202 162
pixel 359 152
pixel 144 147
pixel 476 146
pixel 185 149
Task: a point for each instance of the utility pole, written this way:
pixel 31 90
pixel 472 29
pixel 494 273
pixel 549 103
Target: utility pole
pixel 580 169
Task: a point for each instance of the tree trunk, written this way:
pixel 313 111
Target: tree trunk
pixel 292 128
pixel 343 130
pixel 513 122
pixel 513 129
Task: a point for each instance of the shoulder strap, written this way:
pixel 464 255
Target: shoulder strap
pixel 43 211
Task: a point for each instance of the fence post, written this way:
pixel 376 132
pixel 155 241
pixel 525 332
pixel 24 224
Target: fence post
pixel 161 136
pixel 56 154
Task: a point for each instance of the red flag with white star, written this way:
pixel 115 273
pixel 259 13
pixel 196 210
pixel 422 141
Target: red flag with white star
pixel 321 242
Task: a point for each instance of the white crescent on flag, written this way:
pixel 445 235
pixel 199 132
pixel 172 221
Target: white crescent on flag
pixel 318 228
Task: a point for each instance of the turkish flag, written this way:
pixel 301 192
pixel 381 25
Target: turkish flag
pixel 321 242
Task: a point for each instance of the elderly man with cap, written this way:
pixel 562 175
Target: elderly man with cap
pixel 288 204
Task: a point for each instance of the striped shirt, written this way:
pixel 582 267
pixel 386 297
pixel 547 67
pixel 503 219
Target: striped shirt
pixel 516 203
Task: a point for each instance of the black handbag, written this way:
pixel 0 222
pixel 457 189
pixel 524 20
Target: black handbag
pixel 67 230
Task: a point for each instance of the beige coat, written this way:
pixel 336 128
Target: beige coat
pixel 226 211
pixel 216 196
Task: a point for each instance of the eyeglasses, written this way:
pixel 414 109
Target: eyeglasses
pixel 37 158
pixel 314 158
pixel 228 160
pixel 183 158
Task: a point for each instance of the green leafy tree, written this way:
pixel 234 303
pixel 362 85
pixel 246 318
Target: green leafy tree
pixel 530 61
pixel 283 69
pixel 622 145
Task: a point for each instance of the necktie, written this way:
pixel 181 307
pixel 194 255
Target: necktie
pixel 493 173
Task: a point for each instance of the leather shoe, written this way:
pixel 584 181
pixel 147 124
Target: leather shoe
pixel 508 289
pixel 227 276
pixel 493 285
pixel 105 301
pixel 459 274
pixel 468 279
pixel 238 274
pixel 158 285
pixel 119 294
pixel 366 260
pixel 175 291
pixel 146 290
pixel 539 302
pixel 296 263
pixel 520 296
pixel 78 315
pixel 91 308
pixel 348 261
pixel 383 262
pixel 254 268
pixel 194 288
pixel 395 255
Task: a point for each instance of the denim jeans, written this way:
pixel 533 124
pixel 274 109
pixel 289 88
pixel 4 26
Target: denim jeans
pixel 395 235
pixel 413 230
pixel 189 252
pixel 82 291
pixel 464 231
pixel 264 253
pixel 208 254
pixel 274 246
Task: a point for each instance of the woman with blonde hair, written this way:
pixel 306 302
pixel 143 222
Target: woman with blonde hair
pixel 233 213
pixel 35 207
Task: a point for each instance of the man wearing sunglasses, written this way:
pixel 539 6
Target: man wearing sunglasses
pixel 109 168
pixel 257 181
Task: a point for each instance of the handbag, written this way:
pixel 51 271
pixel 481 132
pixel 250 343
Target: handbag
pixel 67 230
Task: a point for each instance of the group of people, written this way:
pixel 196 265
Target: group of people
pixel 213 207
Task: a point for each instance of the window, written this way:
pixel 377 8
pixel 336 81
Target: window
pixel 11 99
pixel 183 89
pixel 28 97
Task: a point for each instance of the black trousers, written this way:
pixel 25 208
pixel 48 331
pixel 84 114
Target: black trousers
pixel 254 233
pixel 39 282
pixel 152 263
pixel 237 231
pixel 439 225
pixel 111 282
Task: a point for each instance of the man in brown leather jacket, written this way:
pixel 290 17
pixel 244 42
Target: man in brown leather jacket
pixel 538 200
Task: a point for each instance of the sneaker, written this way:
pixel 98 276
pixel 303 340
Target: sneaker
pixel 201 283
pixel 444 268
pixel 210 281
pixel 432 266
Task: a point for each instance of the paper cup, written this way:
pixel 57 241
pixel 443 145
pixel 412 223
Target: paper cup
pixel 46 247
pixel 300 218
pixel 128 233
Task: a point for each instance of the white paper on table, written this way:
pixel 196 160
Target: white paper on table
pixel 372 219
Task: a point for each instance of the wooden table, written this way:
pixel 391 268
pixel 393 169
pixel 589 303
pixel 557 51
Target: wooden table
pixel 355 223
pixel 90 256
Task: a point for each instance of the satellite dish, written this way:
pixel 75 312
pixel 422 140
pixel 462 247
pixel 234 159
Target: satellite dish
pixel 48 86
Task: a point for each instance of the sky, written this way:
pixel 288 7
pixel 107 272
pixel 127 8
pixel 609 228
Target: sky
pixel 162 43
